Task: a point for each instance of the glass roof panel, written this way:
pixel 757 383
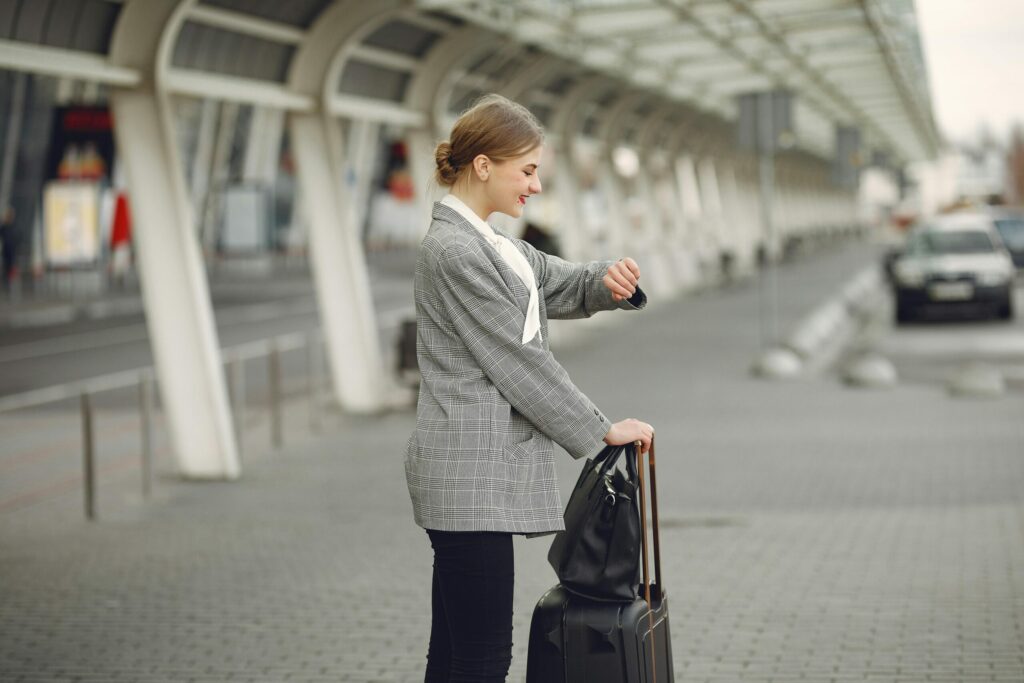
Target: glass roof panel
pixel 403 37
pixel 374 81
pixel 207 48
pixel 83 25
pixel 95 26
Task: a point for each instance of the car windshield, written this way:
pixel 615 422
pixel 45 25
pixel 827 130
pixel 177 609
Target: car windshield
pixel 952 242
pixel 1012 231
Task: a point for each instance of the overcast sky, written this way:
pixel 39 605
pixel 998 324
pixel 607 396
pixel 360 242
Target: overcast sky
pixel 974 50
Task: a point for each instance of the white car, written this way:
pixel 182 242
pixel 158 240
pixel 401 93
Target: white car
pixel 954 260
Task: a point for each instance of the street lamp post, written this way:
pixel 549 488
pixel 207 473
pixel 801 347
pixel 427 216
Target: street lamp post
pixel 765 126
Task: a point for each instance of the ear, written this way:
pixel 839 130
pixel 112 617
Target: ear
pixel 482 166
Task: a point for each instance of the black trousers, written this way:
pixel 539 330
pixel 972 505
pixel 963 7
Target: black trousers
pixel 471 628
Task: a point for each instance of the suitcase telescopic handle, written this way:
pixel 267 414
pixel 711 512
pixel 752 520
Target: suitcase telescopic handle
pixel 643 520
pixel 643 542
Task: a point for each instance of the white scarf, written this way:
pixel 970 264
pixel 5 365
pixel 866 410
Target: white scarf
pixel 512 257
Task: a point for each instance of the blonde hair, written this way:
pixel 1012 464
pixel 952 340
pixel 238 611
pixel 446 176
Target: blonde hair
pixel 495 126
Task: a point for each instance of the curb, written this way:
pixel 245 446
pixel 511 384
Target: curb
pixel 820 337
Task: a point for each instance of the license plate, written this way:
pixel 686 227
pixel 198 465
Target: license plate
pixel 951 291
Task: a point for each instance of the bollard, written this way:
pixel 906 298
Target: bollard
pixel 313 372
pixel 88 454
pixel 146 408
pixel 238 400
pixel 274 377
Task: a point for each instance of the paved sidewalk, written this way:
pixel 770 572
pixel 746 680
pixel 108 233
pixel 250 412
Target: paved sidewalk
pixel 811 532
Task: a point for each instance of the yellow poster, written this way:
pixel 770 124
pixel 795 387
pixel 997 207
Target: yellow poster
pixel 71 220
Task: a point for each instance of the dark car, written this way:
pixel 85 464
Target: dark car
pixel 951 262
pixel 1010 225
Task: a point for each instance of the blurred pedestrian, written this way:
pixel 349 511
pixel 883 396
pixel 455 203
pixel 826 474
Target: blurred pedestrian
pixel 9 243
pixel 493 399
pixel 120 240
pixel 540 239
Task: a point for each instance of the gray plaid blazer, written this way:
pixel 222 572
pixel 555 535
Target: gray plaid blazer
pixel 482 455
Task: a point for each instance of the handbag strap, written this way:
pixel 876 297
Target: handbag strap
pixel 609 457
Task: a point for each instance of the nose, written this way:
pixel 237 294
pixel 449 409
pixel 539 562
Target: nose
pixel 535 187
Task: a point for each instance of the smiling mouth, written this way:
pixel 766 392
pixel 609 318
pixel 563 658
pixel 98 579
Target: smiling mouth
pixel 522 199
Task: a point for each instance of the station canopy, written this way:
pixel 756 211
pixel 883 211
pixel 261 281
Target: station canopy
pixel 855 63
pixel 848 63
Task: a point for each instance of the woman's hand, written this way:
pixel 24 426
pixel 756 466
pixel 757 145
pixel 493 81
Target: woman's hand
pixel 629 431
pixel 621 278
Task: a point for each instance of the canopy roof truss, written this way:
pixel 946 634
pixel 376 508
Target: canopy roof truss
pixel 849 62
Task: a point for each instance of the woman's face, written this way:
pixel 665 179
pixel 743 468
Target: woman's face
pixel 512 182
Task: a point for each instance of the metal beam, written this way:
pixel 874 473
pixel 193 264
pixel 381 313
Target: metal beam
pixel 247 24
pixel 375 110
pixel 52 61
pixel 385 58
pixel 234 89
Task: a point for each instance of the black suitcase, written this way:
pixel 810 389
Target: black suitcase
pixel 577 640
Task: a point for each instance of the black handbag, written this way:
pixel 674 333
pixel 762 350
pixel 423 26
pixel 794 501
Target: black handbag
pixel 597 556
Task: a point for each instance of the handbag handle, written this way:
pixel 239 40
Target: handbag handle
pixel 609 457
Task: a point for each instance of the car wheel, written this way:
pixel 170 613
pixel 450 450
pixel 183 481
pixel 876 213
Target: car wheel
pixel 1005 311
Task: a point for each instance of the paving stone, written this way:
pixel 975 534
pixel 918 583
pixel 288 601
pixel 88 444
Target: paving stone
pixel 810 533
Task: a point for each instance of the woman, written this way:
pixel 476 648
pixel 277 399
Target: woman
pixel 493 400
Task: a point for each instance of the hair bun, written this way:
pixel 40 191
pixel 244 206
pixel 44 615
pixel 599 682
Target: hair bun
pixel 447 170
pixel 496 127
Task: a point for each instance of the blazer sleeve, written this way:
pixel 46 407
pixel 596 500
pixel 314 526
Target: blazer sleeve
pixel 489 322
pixel 575 290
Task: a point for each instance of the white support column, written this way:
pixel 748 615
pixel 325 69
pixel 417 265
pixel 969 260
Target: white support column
pixel 570 232
pixel 576 245
pixel 262 157
pixel 174 287
pixel 687 244
pixel 201 163
pixel 651 248
pixel 263 147
pixel 339 267
pixel 227 120
pixel 619 228
pixel 352 342
pixel 661 278
pixel 675 234
pixel 732 217
pixel 363 146
pixel 712 229
pixel 616 221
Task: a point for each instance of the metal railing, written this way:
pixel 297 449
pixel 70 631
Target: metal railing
pixel 234 361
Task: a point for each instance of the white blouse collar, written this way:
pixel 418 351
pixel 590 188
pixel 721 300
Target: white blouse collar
pixel 463 210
